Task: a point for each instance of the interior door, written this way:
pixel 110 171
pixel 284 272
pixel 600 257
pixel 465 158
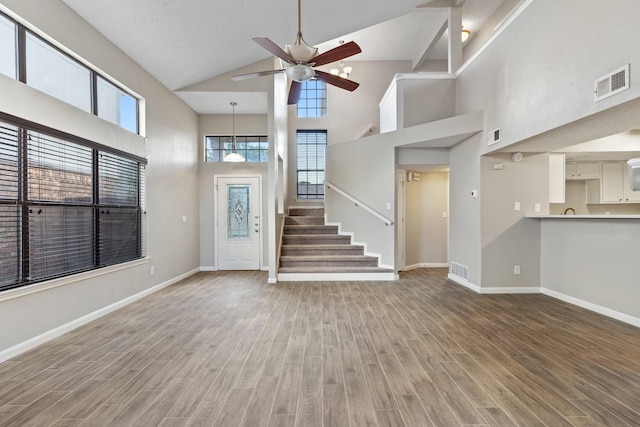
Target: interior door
pixel 238 223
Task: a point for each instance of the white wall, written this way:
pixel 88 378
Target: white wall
pixel 172 181
pixel 245 124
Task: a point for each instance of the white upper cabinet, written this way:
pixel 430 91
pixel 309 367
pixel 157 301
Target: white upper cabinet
pixel 615 184
pixel 582 170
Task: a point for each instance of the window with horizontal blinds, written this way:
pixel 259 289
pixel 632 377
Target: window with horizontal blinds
pixel 311 147
pixel 10 212
pixel 66 205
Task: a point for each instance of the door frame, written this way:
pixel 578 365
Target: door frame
pixel 216 202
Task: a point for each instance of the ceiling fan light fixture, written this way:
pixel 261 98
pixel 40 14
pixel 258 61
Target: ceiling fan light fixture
pixel 334 71
pixel 301 52
pixel 300 72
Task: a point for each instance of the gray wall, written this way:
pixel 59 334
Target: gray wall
pixel 172 179
pixel 594 261
pixel 508 238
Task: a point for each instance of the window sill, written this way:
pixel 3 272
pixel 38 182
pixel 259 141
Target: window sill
pixel 63 281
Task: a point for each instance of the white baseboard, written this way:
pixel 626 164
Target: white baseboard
pixel 341 277
pixel 205 268
pixel 510 290
pixel 67 327
pixel 635 321
pixel 631 320
pixel 426 265
pixel 465 283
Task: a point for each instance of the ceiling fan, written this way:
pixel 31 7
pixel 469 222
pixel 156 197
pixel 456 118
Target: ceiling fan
pixel 301 60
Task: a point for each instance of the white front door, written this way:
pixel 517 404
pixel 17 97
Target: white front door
pixel 238 223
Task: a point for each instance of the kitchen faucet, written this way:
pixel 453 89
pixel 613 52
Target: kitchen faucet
pixel 567 210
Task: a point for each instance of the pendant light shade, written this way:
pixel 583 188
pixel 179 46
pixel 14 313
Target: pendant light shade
pixel 233 156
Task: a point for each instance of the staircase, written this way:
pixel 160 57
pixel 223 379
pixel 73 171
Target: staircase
pixel 312 250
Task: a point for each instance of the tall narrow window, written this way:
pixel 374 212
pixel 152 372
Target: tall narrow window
pixel 311 147
pixel 7 47
pixel 313 99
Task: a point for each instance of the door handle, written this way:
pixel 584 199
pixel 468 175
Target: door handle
pixel 256 230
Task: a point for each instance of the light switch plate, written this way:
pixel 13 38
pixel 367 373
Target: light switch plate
pixel 516 206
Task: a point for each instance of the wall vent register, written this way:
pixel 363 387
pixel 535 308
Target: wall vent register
pixel 611 84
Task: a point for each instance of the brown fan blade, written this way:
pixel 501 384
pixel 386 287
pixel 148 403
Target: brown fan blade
pixel 258 74
pixel 274 49
pixel 294 92
pixel 342 83
pixel 337 53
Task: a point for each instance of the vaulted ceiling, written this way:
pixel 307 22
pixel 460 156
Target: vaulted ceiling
pixel 184 42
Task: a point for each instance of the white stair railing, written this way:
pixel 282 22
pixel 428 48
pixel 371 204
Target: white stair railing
pixel 358 203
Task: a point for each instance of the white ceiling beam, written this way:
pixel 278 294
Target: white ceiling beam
pixel 443 4
pixel 455 41
pixel 430 41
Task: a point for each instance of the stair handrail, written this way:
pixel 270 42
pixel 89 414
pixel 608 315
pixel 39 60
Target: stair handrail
pixel 358 203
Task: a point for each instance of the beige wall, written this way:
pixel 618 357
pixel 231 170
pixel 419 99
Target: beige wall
pixel 170 146
pixel 426 229
pixel 245 124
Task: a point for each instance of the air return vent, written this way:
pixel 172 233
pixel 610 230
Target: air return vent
pixel 459 270
pixel 612 83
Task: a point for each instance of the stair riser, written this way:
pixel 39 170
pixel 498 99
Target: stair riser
pixel 304 220
pixel 348 250
pixel 288 231
pixel 336 263
pixel 306 212
pixel 316 240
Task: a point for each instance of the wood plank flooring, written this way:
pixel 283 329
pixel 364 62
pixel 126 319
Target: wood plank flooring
pixel 227 349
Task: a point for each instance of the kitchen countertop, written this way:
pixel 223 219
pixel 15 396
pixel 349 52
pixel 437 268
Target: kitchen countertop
pixel 540 216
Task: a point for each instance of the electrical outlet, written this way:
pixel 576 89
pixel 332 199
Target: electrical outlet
pixel 537 207
pixel 152 270
pixel 516 206
pixel 516 269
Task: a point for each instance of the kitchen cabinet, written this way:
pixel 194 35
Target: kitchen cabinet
pixel 582 170
pixel 613 187
pixel 556 177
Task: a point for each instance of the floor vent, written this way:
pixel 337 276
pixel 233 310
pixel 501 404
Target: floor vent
pixel 612 83
pixel 462 271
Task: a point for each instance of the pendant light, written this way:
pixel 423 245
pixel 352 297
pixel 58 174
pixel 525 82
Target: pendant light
pixel 233 156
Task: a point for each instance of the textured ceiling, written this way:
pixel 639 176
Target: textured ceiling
pixel 184 42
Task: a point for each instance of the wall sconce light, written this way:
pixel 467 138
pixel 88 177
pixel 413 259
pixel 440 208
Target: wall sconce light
pixel 465 35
